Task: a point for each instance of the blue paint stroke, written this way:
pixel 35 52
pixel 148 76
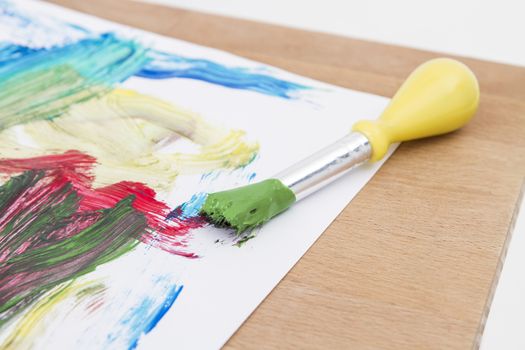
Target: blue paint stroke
pixel 105 59
pixel 189 209
pixel 153 64
pixel 163 65
pixel 163 309
pixel 141 319
pixel 210 176
pixel 48 81
pixel 192 207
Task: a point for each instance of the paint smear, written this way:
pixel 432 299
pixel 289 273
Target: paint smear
pixel 54 227
pixel 45 242
pixel 78 46
pixel 122 131
pixel 164 65
pixel 33 323
pixel 41 84
pixel 142 319
pixel 88 303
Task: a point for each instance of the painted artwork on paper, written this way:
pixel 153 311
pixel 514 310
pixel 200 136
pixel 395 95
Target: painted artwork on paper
pixel 85 167
pixel 110 139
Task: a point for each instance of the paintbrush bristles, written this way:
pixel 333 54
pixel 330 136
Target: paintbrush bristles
pixel 249 206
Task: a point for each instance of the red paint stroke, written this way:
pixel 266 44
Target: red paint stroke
pixel 74 167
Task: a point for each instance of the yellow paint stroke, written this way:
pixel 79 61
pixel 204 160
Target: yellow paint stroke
pixel 32 324
pixel 122 130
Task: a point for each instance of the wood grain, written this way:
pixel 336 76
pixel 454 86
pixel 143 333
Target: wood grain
pixel 411 263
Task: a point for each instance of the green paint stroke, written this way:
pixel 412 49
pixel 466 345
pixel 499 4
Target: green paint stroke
pixel 43 83
pixel 249 206
pixel 45 240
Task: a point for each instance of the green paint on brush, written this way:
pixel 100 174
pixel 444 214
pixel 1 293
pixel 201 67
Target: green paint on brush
pixel 249 206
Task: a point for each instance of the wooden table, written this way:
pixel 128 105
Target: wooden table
pixel 413 261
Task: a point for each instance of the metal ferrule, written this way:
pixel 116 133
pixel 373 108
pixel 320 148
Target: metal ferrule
pixel 326 165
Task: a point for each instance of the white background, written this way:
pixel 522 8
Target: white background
pixel 491 30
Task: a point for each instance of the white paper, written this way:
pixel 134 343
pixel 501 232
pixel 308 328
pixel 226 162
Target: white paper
pixel 226 283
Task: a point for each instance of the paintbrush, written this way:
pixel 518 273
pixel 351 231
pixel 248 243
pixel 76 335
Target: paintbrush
pixel 440 96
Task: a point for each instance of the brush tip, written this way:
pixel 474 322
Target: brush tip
pixel 247 207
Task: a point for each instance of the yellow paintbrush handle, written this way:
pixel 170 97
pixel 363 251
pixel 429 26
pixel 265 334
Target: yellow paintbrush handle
pixel 440 96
